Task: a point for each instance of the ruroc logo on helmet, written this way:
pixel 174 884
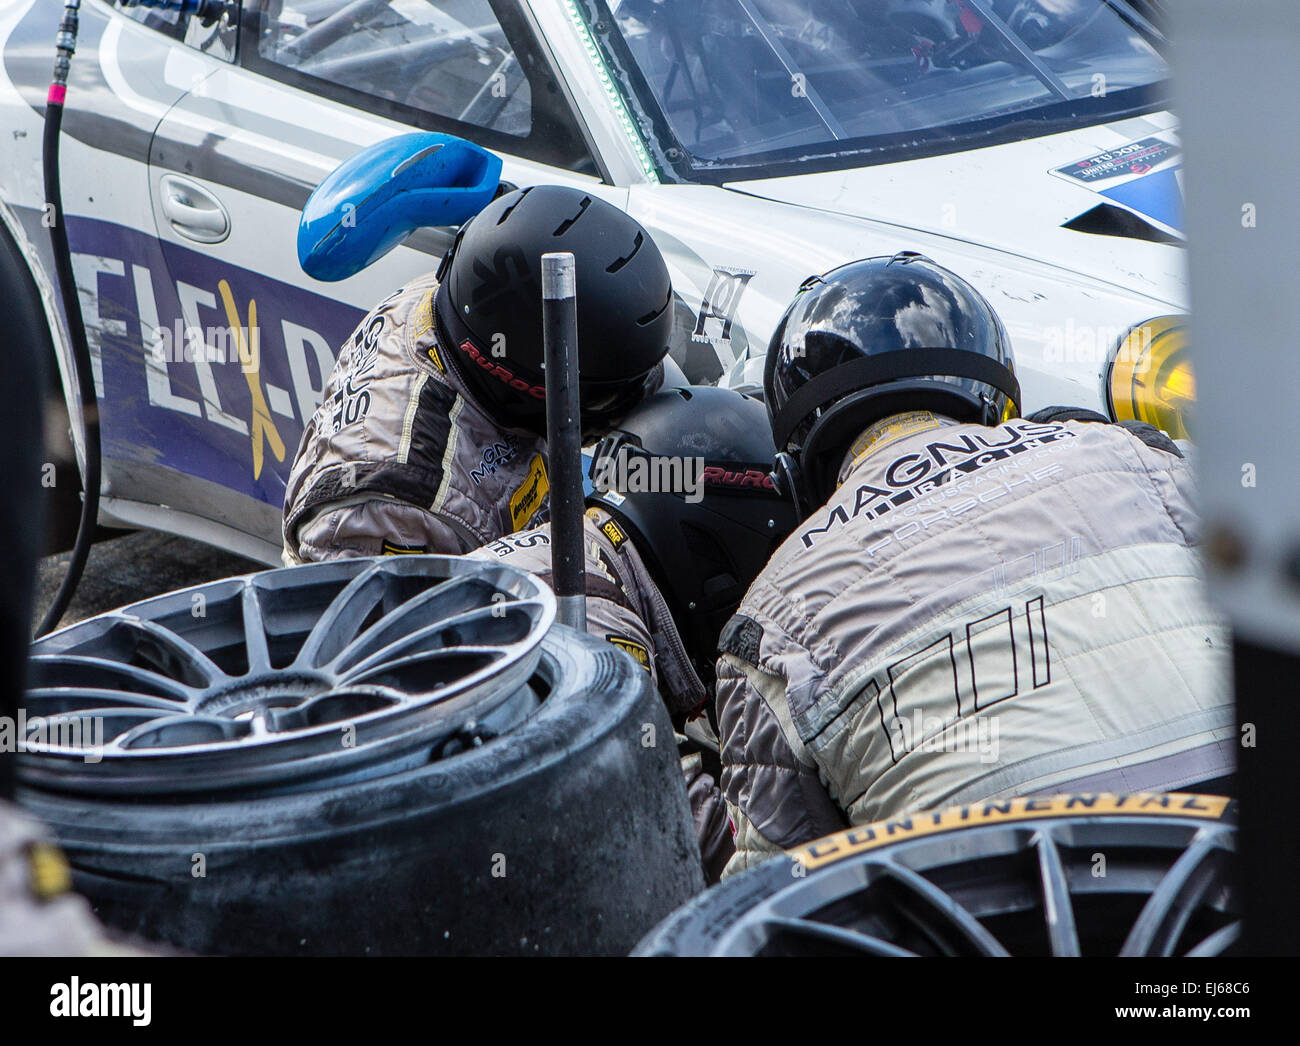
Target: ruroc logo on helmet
pixel 490 293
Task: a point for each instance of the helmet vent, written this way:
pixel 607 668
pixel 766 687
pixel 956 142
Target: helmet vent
pixel 650 317
pixel 620 262
pixel 568 223
pixel 511 209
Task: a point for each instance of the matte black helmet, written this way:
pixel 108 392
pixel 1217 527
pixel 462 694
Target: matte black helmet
pixel 874 338
pixel 489 304
pixel 703 543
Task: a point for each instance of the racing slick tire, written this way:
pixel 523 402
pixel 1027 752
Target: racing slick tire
pixel 537 810
pixel 1090 874
pixel 25 337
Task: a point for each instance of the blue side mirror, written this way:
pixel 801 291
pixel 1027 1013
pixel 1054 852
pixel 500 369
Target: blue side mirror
pixel 373 201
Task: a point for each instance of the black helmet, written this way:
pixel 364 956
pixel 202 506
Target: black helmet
pixel 871 339
pixel 704 553
pixel 489 304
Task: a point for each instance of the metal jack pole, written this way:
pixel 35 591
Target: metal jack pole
pixel 564 436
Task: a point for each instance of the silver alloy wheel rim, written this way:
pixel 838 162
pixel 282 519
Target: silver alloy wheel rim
pixel 271 680
pixel 954 891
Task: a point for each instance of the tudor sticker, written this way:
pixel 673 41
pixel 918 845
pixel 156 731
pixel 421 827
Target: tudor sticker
pixel 1142 177
pixel 1135 158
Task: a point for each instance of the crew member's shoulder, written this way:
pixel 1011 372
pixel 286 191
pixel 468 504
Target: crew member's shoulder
pixel 421 340
pixel 1104 428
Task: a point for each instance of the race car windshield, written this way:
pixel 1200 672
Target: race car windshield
pixel 738 88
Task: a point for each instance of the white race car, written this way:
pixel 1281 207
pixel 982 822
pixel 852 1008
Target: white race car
pixel 1023 143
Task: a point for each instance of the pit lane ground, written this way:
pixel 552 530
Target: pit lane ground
pixel 130 566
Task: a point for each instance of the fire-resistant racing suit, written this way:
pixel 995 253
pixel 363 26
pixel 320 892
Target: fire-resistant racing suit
pixel 977 612
pixel 625 608
pixel 399 458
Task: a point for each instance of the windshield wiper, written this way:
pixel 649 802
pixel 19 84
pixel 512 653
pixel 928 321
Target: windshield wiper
pixel 769 36
pixel 1049 79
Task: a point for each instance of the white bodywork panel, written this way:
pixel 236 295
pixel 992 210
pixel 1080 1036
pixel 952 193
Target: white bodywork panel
pixel 737 253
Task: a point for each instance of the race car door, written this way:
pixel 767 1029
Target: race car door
pixel 231 166
pixel 121 84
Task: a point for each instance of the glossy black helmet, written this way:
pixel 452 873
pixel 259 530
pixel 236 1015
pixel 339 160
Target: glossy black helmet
pixel 705 541
pixel 874 338
pixel 489 304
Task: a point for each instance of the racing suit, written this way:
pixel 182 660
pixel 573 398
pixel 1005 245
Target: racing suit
pixel 399 457
pixel 626 608
pixel 977 612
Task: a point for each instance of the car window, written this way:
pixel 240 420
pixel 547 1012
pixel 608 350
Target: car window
pixel 446 57
pixel 216 36
pixel 735 88
pixel 165 20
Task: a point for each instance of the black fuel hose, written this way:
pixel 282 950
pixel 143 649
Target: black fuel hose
pixel 66 46
pixel 81 364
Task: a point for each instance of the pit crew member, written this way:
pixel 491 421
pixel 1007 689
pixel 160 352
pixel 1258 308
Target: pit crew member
pixel 976 605
pixel 430 433
pixel 682 518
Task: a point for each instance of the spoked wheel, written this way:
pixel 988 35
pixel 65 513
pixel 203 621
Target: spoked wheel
pixel 1076 875
pixel 399 755
pixel 273 679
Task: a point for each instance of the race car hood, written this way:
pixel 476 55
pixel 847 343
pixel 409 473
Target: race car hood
pixel 1078 200
pixel 1001 217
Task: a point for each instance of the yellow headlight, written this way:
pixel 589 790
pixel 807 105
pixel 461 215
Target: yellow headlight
pixel 1151 376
